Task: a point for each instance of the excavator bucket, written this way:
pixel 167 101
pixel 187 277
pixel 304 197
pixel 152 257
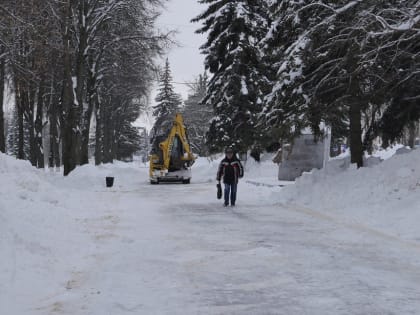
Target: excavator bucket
pixel 171 158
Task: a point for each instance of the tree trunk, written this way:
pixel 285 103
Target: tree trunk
pixel 98 135
pixel 39 156
pixel 21 134
pixel 84 150
pixel 412 134
pixel 80 68
pixel 30 120
pixel 52 116
pixel 69 137
pixel 69 132
pixel 87 116
pixel 107 133
pixel 53 131
pixel 355 110
pixel 356 147
pixel 19 100
pixel 54 157
pixel 2 83
pixel 117 128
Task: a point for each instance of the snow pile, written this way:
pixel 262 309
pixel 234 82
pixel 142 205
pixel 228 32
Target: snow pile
pixel 127 176
pixel 44 233
pixel 23 185
pixel 35 226
pixel 204 170
pixel 18 173
pixel 385 196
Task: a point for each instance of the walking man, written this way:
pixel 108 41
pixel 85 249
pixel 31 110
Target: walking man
pixel 230 169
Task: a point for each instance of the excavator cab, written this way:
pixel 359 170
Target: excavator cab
pixel 171 157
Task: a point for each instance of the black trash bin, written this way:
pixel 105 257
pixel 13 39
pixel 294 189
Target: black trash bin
pixel 109 181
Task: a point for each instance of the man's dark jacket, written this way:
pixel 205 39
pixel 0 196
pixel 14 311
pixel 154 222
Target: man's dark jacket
pixel 230 170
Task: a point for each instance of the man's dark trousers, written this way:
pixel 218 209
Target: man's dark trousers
pixel 230 190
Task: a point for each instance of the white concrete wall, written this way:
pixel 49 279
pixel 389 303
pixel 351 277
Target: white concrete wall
pixel 305 155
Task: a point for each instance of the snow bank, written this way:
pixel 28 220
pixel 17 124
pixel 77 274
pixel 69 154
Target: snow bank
pixel 204 170
pixel 34 226
pixel 127 176
pixel 43 234
pixel 385 196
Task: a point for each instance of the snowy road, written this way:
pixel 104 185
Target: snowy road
pixel 173 249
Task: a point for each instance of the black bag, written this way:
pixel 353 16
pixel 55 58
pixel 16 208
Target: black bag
pixel 219 191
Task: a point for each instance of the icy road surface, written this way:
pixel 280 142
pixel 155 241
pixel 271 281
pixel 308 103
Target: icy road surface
pixel 138 248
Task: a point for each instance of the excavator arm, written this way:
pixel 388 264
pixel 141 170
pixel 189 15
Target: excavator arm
pixel 174 158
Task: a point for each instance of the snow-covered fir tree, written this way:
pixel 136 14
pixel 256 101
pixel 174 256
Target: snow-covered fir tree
pixel 324 72
pixel 197 115
pixel 128 141
pixel 277 120
pixel 232 56
pixel 294 25
pixel 350 70
pixel 167 104
pixel 394 50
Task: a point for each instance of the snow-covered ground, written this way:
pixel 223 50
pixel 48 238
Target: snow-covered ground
pixel 335 242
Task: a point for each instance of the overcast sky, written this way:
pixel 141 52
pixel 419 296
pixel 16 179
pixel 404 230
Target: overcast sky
pixel 185 61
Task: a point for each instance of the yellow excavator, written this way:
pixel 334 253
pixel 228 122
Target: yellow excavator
pixel 171 158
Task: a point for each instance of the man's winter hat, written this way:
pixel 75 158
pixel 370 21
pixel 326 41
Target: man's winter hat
pixel 228 150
